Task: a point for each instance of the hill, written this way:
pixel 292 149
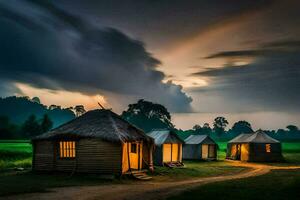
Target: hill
pixel 18 109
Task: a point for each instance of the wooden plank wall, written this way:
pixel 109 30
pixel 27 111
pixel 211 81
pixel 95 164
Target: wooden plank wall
pixel 192 152
pixel 97 156
pixel 92 156
pixel 43 158
pixel 258 153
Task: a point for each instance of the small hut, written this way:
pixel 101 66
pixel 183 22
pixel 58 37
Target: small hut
pixel 254 147
pixel 168 147
pixel 99 141
pixel 199 147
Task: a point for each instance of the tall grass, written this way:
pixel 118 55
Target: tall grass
pixel 15 154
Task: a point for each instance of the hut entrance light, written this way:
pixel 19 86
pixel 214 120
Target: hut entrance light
pixel 268 148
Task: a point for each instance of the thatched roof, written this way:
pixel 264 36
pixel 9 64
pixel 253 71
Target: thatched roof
pixel 103 124
pixel 256 137
pixel 162 136
pixel 199 139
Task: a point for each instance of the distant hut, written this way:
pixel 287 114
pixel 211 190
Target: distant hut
pixel 254 147
pixel 199 147
pixel 99 141
pixel 168 147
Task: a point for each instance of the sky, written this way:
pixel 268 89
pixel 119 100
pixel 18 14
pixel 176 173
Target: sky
pixel 200 59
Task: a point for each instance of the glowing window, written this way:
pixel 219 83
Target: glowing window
pixel 67 149
pixel 268 148
pixel 133 148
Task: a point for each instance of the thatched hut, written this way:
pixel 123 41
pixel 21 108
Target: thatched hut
pixel 254 147
pixel 199 147
pixel 99 141
pixel 168 147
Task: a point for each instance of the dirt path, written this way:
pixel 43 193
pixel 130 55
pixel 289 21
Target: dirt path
pixel 142 190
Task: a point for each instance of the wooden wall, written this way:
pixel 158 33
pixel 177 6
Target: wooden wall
pixel 194 151
pixel 92 156
pixel 258 153
pixel 97 156
pixel 191 151
pixel 43 156
pixel 158 156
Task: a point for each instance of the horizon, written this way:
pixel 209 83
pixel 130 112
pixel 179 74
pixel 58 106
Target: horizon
pixel 210 62
pixel 201 118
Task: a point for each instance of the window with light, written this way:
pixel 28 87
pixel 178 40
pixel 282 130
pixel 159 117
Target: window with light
pixel 67 149
pixel 133 148
pixel 268 148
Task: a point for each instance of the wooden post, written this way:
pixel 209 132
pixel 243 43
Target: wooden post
pixel 151 168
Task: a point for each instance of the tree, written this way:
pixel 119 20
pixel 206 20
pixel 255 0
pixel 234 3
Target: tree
pixel 53 107
pixel 7 129
pixel 220 124
pixel 31 127
pixel 36 100
pixel 147 115
pixel 292 128
pixel 79 110
pixel 197 128
pixel 46 123
pixel 241 127
pixel 206 129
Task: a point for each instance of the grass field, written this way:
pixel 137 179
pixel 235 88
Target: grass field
pixel 15 153
pixel 19 154
pixel 194 169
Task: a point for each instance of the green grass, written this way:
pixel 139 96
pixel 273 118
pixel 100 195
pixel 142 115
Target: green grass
pixel 277 185
pixel 291 147
pixel 14 153
pixel 195 169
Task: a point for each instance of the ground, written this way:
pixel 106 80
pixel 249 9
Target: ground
pixel 275 185
pixel 219 177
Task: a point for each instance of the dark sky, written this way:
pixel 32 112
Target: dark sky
pixel 211 56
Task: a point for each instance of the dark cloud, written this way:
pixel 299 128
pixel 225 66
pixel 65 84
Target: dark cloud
pixel 232 54
pixel 62 51
pixel 270 82
pixel 265 49
pixel 164 22
pixel 287 44
pixel 7 89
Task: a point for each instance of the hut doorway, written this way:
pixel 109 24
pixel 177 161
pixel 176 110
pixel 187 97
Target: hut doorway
pixel 175 152
pixel 208 151
pixel 171 152
pixel 238 151
pixel 204 151
pixel 167 152
pixel 211 151
pixel 132 156
pixel 135 155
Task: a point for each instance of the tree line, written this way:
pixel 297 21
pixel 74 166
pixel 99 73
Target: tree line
pixel 145 115
pixel 23 117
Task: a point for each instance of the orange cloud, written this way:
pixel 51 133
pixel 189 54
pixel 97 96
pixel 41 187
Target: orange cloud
pixel 61 97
